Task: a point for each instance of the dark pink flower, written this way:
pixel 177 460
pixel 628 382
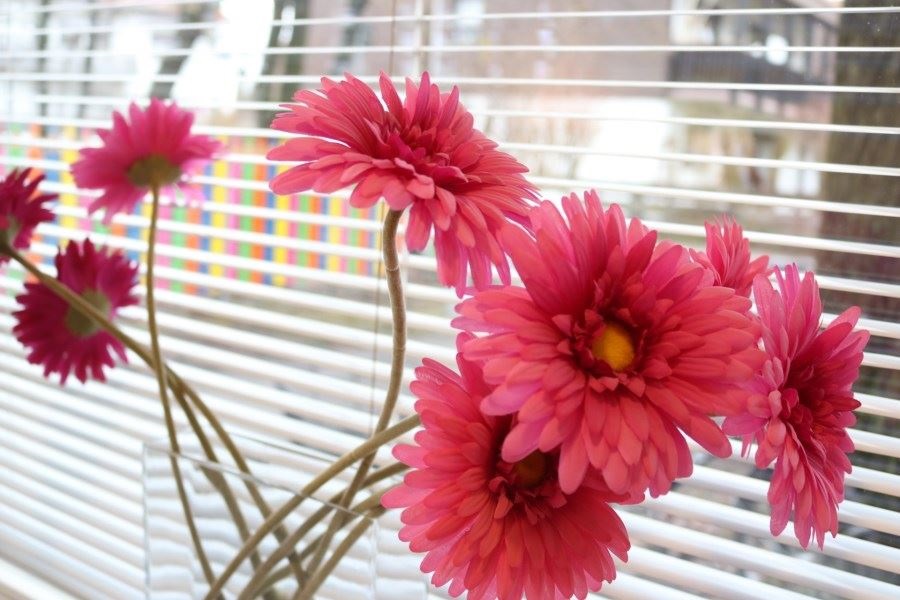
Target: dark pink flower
pixel 21 210
pixel 63 339
pixel 614 344
pixel 802 403
pixel 422 153
pixel 495 528
pixel 155 149
pixel 727 256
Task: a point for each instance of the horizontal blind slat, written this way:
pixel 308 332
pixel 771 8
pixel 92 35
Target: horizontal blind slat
pixel 694 231
pixel 701 579
pixel 30 542
pixel 862 552
pixel 22 461
pixel 770 565
pixel 504 16
pixel 577 184
pixel 464 49
pixel 107 5
pixel 100 540
pixel 754 122
pixel 742 161
pixel 751 488
pixel 496 82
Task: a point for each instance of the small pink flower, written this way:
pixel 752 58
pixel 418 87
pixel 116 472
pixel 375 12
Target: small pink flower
pixel 21 210
pixel 63 339
pixel 421 153
pixel 727 256
pixel 802 403
pixel 155 148
pixel 495 528
pixel 614 344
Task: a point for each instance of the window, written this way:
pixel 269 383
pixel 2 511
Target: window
pixel 781 113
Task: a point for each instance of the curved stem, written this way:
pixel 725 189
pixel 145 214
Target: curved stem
pixel 216 478
pixel 188 514
pixel 159 370
pixel 368 447
pixel 319 576
pixel 152 328
pixel 291 541
pixel 87 309
pixel 83 306
pixel 175 380
pixel 240 463
pixel 398 314
pixel 164 389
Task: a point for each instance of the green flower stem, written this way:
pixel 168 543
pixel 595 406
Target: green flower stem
pixel 257 582
pixel 370 446
pixel 215 477
pixel 306 593
pixel 188 514
pixel 86 308
pixel 163 388
pixel 175 380
pixel 237 457
pixel 76 301
pixel 152 328
pixel 398 314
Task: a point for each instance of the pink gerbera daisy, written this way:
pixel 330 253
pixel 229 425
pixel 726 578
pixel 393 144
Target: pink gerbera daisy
pixel 727 256
pixel 155 149
pixel 21 210
pixel 801 404
pixel 421 153
pixel 614 343
pixel 60 337
pixel 495 528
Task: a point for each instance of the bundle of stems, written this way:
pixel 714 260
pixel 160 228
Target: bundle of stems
pixel 309 565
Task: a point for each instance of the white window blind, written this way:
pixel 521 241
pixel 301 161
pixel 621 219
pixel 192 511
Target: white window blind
pixel 783 114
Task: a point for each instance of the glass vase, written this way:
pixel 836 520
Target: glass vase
pixel 219 498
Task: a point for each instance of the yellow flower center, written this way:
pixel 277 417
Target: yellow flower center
pixel 531 470
pixel 81 325
pixel 614 346
pixel 154 170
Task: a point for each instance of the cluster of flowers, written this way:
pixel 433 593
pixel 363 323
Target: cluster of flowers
pixel 155 149
pixel 573 391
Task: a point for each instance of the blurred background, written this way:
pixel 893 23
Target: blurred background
pixel 784 114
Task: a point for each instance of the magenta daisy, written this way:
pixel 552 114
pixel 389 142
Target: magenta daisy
pixel 156 148
pixel 21 209
pixel 614 344
pixel 63 339
pixel 421 153
pixel 802 404
pixel 727 256
pixel 494 528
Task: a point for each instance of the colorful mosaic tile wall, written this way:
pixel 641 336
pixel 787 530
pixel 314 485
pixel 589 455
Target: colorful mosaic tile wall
pixel 192 213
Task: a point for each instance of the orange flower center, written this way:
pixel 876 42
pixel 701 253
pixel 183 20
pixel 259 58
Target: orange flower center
pixel 531 470
pixel 154 170
pixel 81 325
pixel 614 346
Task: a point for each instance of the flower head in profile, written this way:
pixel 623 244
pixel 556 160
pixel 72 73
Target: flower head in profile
pixel 727 256
pixel 61 338
pixel 420 153
pixel 494 528
pixel 155 148
pixel 614 346
pixel 21 209
pixel 802 403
